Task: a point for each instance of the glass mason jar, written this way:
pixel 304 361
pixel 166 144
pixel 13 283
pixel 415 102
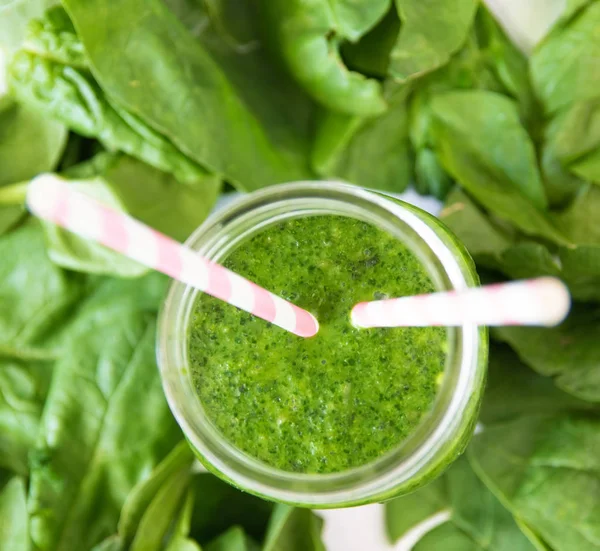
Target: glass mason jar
pixel 443 433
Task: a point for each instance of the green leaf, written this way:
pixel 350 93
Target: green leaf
pixel 569 352
pixel 490 129
pixel 149 195
pixel 180 540
pixel 87 459
pixel 29 143
pixel 404 513
pixel 219 505
pixel 354 18
pixel 580 221
pixel 14 535
pixel 23 390
pixel 292 529
pixel 564 67
pixel 14 17
pixel 306 33
pixel 581 271
pixel 227 136
pixel 233 540
pixel 35 294
pixel 112 543
pixel 474 229
pixel 482 145
pixel 141 497
pixel 545 469
pixel 431 32
pixel 370 152
pixel 514 390
pixel 477 520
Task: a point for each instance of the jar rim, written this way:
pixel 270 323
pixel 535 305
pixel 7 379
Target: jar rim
pixel 251 213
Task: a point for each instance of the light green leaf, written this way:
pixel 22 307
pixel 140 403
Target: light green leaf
pixel 180 540
pixel 23 389
pixel 232 540
pixel 35 294
pixel 580 221
pixel 305 34
pixel 370 152
pixel 564 67
pixel 353 18
pixel 14 535
pixel 431 32
pixel 29 143
pixel 569 352
pixel 292 529
pixel 489 128
pixel 112 543
pixel 192 103
pixel 581 271
pixel 546 470
pixel 14 17
pixel 87 459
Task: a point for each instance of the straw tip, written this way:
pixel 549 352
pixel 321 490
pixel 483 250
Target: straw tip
pixel 358 316
pixel 308 326
pixel 557 299
pixel 43 192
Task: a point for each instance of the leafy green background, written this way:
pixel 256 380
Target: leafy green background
pixel 157 106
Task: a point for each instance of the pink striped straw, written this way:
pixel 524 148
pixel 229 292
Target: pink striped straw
pixel 51 198
pixel 543 301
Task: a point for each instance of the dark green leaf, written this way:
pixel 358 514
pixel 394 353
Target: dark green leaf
pixel 14 535
pixel 564 67
pixel 87 459
pixel 219 506
pixel 546 470
pixel 569 352
pixel 192 101
pixel 580 221
pixel 514 390
pixel 477 520
pixel 430 33
pixel 292 529
pixel 581 271
pixel 306 35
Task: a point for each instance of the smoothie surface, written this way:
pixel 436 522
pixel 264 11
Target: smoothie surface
pixel 335 401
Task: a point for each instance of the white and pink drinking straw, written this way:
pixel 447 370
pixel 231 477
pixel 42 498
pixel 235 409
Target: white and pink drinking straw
pixel 52 199
pixel 544 301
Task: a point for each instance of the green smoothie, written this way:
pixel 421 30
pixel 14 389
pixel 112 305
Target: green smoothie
pixel 342 398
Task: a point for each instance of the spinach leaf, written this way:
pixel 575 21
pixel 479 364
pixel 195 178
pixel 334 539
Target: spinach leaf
pixel 477 520
pixel 149 195
pixel 87 459
pixel 147 491
pixel 581 271
pixel 404 513
pixel 46 75
pixel 180 540
pixel 564 67
pixel 580 221
pixel 192 103
pixel 219 506
pixel 481 143
pixel 14 17
pixel 370 152
pixel 292 529
pixel 35 294
pixel 569 352
pixel 29 143
pixel 430 33
pixel 545 469
pixel 490 129
pixel 23 390
pixel 306 34
pixel 14 534
pixel 232 540
pixel 515 390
